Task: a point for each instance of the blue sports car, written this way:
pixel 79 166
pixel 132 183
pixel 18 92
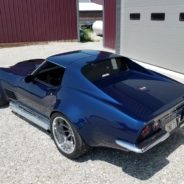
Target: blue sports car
pixel 94 98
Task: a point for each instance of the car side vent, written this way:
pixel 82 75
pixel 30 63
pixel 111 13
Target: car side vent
pixel 10 94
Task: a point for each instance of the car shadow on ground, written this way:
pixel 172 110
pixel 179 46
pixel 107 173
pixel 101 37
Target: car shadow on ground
pixel 140 166
pixel 26 120
pixel 32 124
pixel 4 106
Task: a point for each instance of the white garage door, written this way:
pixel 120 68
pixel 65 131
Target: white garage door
pixel 152 31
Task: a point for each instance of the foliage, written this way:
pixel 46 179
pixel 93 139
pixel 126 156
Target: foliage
pixel 85 35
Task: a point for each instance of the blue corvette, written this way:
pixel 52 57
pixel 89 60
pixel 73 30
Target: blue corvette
pixel 94 98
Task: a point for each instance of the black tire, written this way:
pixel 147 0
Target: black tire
pixel 3 100
pixel 3 103
pixel 80 147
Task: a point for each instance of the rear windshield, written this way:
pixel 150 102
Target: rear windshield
pixel 105 69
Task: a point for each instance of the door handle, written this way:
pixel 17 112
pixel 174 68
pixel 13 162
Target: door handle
pixel 51 93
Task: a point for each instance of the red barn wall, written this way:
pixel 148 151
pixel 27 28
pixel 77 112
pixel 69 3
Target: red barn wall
pixel 110 23
pixel 38 20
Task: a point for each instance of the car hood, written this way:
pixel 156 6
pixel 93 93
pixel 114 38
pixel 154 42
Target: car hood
pixel 24 68
pixel 143 96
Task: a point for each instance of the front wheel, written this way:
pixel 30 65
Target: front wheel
pixel 66 137
pixel 3 100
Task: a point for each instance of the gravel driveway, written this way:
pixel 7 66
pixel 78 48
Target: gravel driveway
pixel 29 156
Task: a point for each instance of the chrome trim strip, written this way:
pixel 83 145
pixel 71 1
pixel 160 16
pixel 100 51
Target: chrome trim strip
pixel 33 117
pixel 134 148
pixel 38 67
pixel 182 125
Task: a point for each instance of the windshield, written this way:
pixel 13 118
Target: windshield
pixel 105 69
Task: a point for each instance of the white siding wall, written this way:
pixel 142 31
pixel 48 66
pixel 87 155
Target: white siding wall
pixel 159 43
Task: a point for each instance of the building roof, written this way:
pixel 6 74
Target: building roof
pixel 81 56
pixel 90 7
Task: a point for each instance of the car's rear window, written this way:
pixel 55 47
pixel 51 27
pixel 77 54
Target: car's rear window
pixel 105 69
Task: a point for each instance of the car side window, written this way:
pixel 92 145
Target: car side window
pixel 50 74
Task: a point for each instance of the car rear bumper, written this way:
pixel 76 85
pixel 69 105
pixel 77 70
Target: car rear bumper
pixel 145 146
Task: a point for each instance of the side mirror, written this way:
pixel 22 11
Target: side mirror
pixel 29 78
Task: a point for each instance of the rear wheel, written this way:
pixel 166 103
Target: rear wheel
pixel 66 137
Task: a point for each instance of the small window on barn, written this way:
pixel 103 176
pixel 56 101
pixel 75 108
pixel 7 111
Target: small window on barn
pixel 158 16
pixel 181 16
pixel 135 16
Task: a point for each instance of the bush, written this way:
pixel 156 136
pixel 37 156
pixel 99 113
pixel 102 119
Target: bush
pixel 85 35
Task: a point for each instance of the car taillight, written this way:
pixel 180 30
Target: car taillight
pixel 145 131
pixel 150 129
